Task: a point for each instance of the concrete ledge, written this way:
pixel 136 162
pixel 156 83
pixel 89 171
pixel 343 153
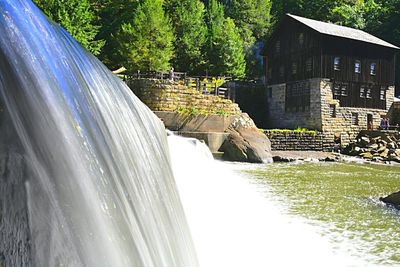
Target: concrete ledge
pixel 198 123
pixel 213 140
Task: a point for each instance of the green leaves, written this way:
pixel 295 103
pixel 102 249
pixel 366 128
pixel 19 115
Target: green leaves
pixel 145 41
pixel 225 48
pixel 77 18
pixel 190 30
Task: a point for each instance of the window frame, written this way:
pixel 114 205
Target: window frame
pixel 332 110
pixel 372 70
pixel 355 119
pixel 337 63
pixel 278 47
pixel 357 66
pixel 301 38
pixel 309 65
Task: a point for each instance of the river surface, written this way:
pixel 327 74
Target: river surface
pixel 308 214
pixel 341 203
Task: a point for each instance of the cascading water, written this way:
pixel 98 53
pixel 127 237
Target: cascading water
pixel 85 175
pixel 234 223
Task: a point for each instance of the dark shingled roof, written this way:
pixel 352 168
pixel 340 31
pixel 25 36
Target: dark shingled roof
pixel 341 31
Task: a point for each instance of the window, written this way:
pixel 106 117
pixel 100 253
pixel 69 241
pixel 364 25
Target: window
pixel 332 110
pixel 278 47
pixel 336 90
pixel 294 68
pixel 357 66
pixel 281 71
pixel 382 93
pixel 362 92
pixel 372 69
pixel 336 63
pixel 301 38
pixel 354 118
pixel 368 93
pixel 309 65
pixel 343 90
pixel 340 90
pixel 270 92
pixel 297 97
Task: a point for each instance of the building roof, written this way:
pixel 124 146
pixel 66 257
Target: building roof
pixel 341 31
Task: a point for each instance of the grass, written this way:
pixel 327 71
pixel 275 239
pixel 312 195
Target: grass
pixel 297 130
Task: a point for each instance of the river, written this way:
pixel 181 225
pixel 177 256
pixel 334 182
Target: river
pixel 308 214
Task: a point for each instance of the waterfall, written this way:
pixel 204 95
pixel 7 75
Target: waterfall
pixel 85 176
pixel 235 222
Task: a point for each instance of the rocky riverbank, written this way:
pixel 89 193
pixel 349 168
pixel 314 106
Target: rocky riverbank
pixel 378 146
pixel 393 199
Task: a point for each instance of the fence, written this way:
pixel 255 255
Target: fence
pixel 203 84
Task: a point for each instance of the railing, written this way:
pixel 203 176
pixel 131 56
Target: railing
pixel 203 84
pixel 168 75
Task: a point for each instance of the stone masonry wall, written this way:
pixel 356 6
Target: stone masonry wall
pixel 299 141
pixel 341 125
pixel 165 95
pixel 318 117
pixel 280 118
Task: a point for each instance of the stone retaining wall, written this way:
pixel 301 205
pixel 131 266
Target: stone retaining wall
pixel 165 95
pixel 319 116
pixel 299 141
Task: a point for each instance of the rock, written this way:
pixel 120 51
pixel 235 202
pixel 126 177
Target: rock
pixel 373 146
pixel 383 142
pixel 364 141
pixel 376 139
pixel 246 143
pixel 393 158
pixel 393 199
pixel 355 151
pixel 384 153
pixel 282 159
pixel 397 152
pixel 366 155
pixel 391 145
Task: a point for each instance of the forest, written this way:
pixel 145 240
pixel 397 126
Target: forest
pixel 207 37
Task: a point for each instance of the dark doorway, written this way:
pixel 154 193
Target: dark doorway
pixel 370 120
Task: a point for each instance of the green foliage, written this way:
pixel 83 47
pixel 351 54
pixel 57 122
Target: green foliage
pixel 77 18
pixel 225 46
pixel 111 14
pixel 188 21
pixel 146 40
pixel 252 17
pixel 297 130
pixel 356 15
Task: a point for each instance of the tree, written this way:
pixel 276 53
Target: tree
pixel 316 9
pixel 230 50
pixel 253 20
pixel 224 45
pixel 110 15
pixel 360 14
pixel 77 18
pixel 145 42
pixel 251 17
pixel 188 21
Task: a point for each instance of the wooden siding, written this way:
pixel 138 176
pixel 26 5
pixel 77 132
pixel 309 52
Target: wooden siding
pixel 293 51
pixel 320 50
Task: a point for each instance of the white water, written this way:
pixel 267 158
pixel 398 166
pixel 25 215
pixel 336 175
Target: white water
pixel 234 223
pixel 93 158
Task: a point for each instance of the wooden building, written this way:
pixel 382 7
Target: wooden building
pixel 318 72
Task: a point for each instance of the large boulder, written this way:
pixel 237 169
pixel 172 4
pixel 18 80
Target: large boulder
pixel 246 143
pixel 393 199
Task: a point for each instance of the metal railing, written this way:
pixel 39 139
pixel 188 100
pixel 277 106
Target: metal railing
pixel 204 84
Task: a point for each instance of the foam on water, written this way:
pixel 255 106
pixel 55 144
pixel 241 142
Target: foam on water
pixel 234 223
